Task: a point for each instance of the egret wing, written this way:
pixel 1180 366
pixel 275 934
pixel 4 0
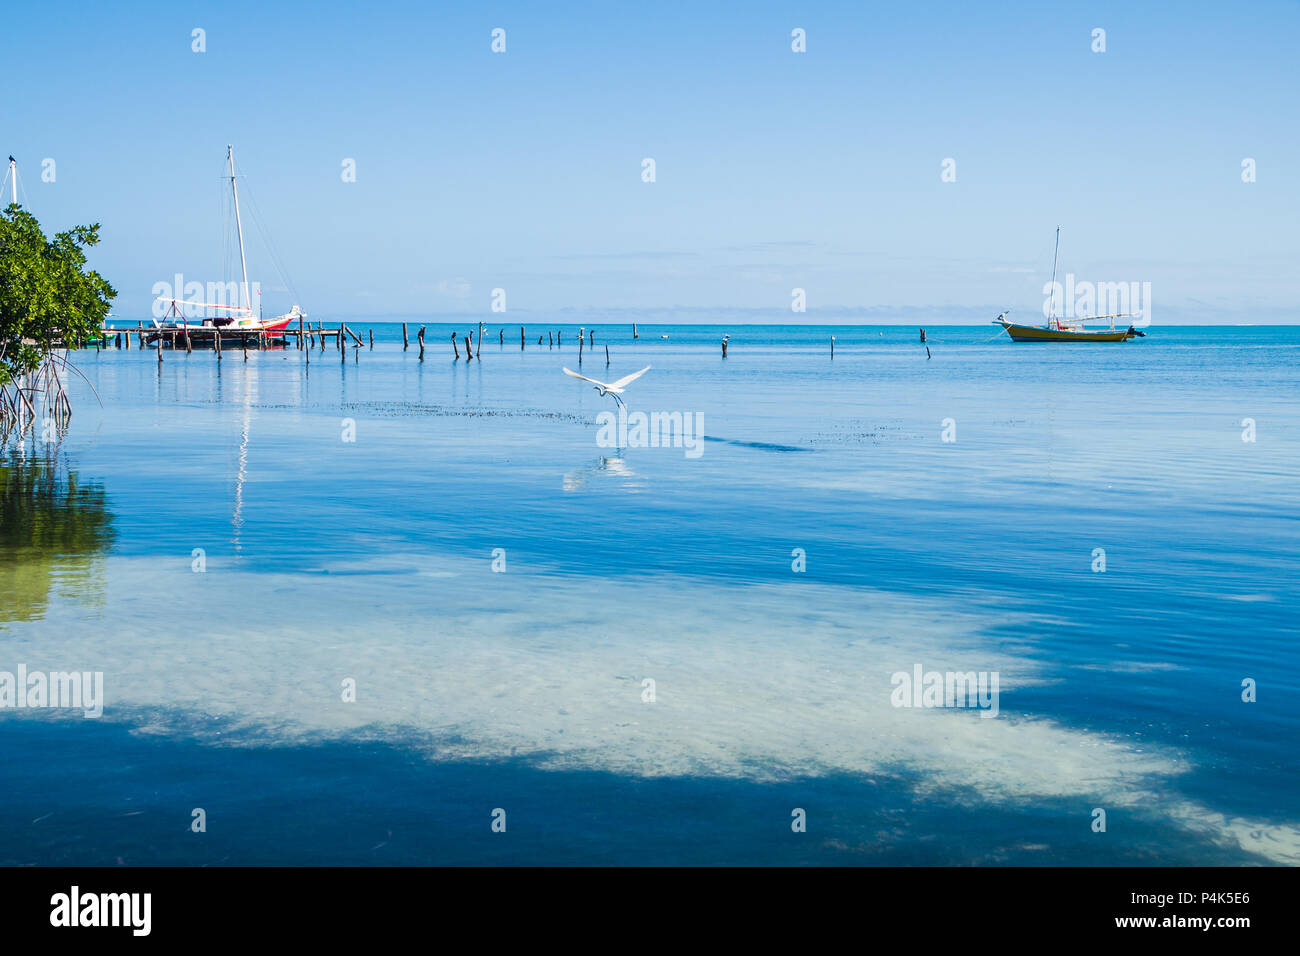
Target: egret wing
pixel 625 380
pixel 585 379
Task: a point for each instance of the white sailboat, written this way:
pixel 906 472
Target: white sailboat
pixel 238 320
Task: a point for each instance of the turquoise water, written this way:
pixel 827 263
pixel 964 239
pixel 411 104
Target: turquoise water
pixel 371 560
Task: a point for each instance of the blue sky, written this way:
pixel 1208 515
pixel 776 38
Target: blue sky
pixel 774 170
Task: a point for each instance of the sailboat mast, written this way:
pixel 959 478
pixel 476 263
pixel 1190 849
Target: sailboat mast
pixel 1055 256
pixel 239 227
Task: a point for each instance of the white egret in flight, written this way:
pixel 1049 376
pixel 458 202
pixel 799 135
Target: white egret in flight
pixel 614 389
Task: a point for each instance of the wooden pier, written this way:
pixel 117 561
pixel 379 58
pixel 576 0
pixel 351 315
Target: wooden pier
pixel 307 336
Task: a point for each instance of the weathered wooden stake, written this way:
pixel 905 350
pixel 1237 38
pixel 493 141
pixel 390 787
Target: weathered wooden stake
pixel 419 337
pixel 550 339
pixel 607 356
pixel 580 341
pixel 454 348
pixel 634 335
pixel 188 350
pixel 832 346
pixel 469 355
pixel 216 338
pixel 405 343
pixel 521 338
pixel 724 346
pixel 372 340
pixel 592 336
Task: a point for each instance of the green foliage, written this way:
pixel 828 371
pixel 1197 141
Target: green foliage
pixel 47 297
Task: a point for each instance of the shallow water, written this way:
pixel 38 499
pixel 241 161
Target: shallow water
pixel 372 560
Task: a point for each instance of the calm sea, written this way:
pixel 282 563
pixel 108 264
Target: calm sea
pixel 356 611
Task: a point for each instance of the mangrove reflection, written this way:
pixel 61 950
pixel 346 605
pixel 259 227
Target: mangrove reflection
pixel 54 530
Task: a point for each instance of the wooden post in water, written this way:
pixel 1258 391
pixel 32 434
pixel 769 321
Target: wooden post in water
pixel 405 343
pixel 479 351
pixel 501 340
pixel 469 354
pixel 454 347
pixel 724 346
pixel 419 337
pixel 188 350
pixel 634 335
pixel 580 341
pixel 372 340
pixel 216 341
pixel 521 338
pixel 592 337
pixel 550 339
pixel 606 356
pixel 160 341
pixel 832 346
pixel 141 333
pixel 300 333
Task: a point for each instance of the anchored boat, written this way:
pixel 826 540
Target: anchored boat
pixel 235 322
pixel 1072 330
